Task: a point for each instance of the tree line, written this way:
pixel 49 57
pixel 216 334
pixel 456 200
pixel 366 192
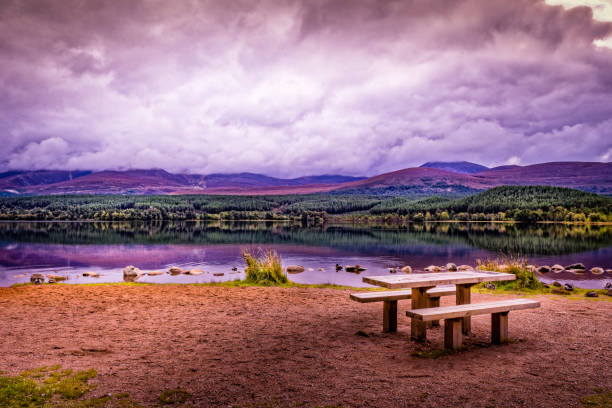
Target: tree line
pixel 526 204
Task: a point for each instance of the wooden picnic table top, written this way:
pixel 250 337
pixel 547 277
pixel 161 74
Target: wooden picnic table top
pixel 419 280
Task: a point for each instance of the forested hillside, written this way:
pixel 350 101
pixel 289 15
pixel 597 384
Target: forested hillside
pixel 520 203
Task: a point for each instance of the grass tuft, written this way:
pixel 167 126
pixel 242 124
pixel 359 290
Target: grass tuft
pixel 52 387
pixel 525 278
pixel 170 397
pixel 265 268
pixel 599 400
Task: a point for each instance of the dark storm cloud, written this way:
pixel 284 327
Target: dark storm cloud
pixel 300 87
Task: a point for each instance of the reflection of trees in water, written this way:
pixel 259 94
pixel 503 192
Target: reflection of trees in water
pixel 540 239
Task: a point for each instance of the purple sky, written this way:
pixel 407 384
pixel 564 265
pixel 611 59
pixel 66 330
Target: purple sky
pixel 290 88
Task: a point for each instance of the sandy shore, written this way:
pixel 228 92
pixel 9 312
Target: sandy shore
pixel 299 347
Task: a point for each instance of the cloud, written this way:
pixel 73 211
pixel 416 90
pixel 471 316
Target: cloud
pixel 294 87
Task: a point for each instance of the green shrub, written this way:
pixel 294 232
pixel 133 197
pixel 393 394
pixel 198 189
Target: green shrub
pixel 525 278
pixel 265 268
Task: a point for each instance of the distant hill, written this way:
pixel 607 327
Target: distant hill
pixel 158 181
pixel 418 181
pixel 586 176
pixel 463 167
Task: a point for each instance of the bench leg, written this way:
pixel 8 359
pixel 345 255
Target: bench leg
pixel 389 316
pixel 434 302
pixel 464 297
pixel 420 300
pixel 499 328
pixel 452 333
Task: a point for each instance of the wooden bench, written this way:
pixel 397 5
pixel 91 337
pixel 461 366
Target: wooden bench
pixel 453 316
pixel 390 299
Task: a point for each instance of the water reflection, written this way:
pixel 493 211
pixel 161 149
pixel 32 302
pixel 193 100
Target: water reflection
pixel 215 247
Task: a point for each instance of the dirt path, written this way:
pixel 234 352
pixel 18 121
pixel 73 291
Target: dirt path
pixel 294 347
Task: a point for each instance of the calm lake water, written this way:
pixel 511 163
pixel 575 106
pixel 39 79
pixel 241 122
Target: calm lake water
pixel 71 248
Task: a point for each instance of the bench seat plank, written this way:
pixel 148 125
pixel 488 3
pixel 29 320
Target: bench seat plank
pixel 368 297
pixel 452 312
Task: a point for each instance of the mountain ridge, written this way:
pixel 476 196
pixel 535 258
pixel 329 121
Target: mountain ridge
pixel 593 177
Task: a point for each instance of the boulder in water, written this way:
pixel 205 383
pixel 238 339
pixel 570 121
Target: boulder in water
pixel 407 269
pixel 295 269
pixel 451 267
pixel 544 269
pixel 575 266
pixel 56 278
pixel 557 268
pixel 596 271
pixel 91 274
pixel 591 294
pixel 557 284
pixel 131 270
pixel 195 271
pixel 338 267
pixel 357 268
pixel 433 268
pixel 465 268
pixel 155 273
pixel 218 274
pixel 37 278
pixel 174 270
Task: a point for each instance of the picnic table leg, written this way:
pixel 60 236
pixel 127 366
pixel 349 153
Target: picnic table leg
pixel 420 300
pixel 463 298
pixel 499 328
pixel 389 316
pixel 434 302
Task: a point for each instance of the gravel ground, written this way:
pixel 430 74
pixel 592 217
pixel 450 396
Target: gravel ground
pixel 300 347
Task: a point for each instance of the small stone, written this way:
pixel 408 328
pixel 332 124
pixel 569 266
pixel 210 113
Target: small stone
pixel 465 268
pixel 544 269
pixel 175 270
pixel 295 269
pixel 557 268
pixel 491 286
pixel 392 270
pixel 218 274
pixel 37 278
pixel 591 294
pixel 575 266
pixel 131 270
pixel 557 284
pixel 338 267
pixel 433 268
pixel 234 269
pixel 451 267
pixel 91 274
pixel 596 271
pixel 310 270
pixel 194 272
pixel 357 268
pixel 568 286
pixel 51 280
pixel 407 269
pixel 155 273
pixel 56 278
pixel 320 269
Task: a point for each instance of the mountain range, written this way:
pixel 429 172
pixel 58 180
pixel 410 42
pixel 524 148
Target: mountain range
pixel 441 178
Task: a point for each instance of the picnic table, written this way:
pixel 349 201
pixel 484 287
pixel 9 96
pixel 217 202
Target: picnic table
pixel 421 282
